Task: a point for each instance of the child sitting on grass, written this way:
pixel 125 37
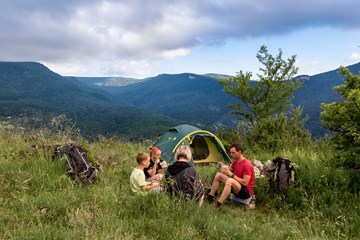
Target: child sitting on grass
pixel 138 184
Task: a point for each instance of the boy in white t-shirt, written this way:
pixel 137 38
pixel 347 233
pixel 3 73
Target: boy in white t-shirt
pixel 138 184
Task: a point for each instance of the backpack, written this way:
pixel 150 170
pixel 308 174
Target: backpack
pixel 79 166
pixel 281 173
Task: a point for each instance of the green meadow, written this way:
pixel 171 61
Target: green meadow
pixel 39 201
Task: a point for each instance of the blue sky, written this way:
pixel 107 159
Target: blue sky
pixel 144 38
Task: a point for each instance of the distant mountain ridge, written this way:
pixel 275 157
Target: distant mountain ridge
pixel 196 99
pixel 199 99
pixel 108 81
pixel 30 89
pixel 122 81
pixel 141 108
pixel 319 89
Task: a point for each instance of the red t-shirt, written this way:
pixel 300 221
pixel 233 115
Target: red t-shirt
pixel 242 168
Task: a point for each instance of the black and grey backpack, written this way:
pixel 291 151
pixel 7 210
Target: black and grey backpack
pixel 79 167
pixel 281 173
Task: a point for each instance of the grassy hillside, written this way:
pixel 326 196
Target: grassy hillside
pixel 38 201
pixel 30 90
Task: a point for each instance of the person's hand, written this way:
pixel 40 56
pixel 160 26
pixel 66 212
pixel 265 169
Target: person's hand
pixel 226 171
pixel 155 184
pixel 223 168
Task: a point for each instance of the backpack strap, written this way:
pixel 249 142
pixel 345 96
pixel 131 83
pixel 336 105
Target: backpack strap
pixel 277 161
pixel 81 154
pixel 292 172
pixel 287 164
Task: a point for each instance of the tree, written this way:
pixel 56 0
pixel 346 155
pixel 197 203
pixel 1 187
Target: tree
pixel 266 103
pixel 343 118
pixel 271 94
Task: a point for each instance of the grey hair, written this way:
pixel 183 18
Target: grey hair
pixel 183 151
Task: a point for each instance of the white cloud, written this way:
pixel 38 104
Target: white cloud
pixel 355 56
pixel 174 53
pixel 308 66
pixel 103 37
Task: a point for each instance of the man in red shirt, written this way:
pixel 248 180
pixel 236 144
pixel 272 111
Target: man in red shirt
pixel 239 178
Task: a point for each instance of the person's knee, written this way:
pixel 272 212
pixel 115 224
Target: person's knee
pixel 218 176
pixel 232 183
pixel 229 181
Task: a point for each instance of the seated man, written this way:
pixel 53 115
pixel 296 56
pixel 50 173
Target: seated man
pixel 238 179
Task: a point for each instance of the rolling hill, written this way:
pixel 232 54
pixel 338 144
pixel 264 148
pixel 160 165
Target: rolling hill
pixel 108 81
pixel 199 99
pixel 196 99
pixel 30 89
pixel 318 89
pixel 140 108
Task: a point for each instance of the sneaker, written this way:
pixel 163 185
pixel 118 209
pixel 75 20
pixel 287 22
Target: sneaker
pixel 251 205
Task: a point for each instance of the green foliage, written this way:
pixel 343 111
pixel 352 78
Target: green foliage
pixel 269 134
pixel 271 94
pixel 279 132
pixel 344 119
pixel 31 90
pixel 235 135
pixel 266 105
pixel 38 200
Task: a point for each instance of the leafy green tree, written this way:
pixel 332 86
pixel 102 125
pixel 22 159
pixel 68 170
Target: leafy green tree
pixel 266 102
pixel 271 94
pixel 281 131
pixel 344 119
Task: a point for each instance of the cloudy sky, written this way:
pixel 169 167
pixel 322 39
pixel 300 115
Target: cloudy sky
pixel 144 38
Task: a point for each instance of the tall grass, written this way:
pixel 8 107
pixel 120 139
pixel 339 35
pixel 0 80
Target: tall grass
pixel 38 200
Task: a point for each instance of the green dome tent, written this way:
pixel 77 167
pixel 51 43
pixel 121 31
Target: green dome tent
pixel 205 146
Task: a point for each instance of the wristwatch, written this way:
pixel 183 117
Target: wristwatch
pixel 232 175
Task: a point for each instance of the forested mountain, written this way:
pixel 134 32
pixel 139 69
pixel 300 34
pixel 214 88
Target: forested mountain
pixel 140 108
pixel 107 81
pixel 30 89
pixel 199 99
pixel 318 89
pixel 189 97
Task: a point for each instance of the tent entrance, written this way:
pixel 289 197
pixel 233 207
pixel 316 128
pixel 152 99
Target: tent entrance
pixel 199 148
pixel 204 150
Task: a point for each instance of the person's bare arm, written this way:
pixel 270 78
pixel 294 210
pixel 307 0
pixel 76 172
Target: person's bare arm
pixel 147 187
pixel 243 181
pixel 152 171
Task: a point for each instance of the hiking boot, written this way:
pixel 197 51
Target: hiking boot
pixel 210 198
